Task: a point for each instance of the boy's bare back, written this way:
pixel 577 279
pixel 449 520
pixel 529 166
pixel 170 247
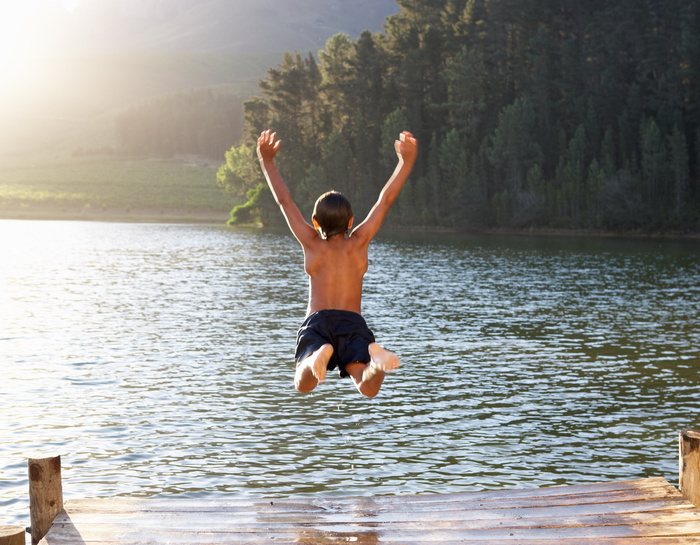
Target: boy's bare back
pixel 335 267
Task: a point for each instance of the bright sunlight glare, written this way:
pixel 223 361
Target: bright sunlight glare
pixel 18 37
pixel 70 5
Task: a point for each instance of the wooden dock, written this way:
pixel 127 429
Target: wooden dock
pixel 634 512
pixel 620 513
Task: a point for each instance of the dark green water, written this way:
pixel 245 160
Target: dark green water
pixel 157 360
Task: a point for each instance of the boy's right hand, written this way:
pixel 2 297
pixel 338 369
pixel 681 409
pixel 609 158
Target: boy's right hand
pixel 268 145
pixel 406 147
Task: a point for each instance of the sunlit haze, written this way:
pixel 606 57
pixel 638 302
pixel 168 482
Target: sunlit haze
pixel 18 37
pixel 69 68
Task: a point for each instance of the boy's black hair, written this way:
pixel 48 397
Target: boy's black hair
pixel 333 213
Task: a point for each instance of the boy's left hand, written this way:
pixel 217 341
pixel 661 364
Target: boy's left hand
pixel 268 145
pixel 406 147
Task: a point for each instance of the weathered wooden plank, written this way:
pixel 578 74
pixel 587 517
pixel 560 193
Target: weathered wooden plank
pixel 603 492
pixel 369 506
pixel 104 534
pixel 647 510
pixel 222 539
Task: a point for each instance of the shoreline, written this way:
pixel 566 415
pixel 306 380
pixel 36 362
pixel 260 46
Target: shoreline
pixel 591 233
pixel 150 215
pixel 137 215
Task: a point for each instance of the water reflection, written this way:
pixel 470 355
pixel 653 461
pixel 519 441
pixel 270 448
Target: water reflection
pixel 157 359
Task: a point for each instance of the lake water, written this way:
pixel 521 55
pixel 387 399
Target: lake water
pixel 157 361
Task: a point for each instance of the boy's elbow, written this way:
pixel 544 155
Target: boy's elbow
pixel 283 201
pixel 387 200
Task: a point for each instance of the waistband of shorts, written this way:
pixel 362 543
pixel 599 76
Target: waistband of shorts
pixel 334 312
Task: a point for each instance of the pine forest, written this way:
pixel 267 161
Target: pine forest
pixel 558 114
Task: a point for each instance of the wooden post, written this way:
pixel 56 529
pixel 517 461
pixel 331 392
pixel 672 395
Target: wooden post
pixel 689 465
pixel 45 494
pixel 11 535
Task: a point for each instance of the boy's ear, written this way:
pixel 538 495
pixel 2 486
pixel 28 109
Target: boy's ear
pixel 318 227
pixel 352 219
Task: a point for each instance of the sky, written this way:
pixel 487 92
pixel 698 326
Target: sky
pixel 16 46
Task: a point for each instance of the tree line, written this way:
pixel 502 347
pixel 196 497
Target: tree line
pixel 199 122
pixel 550 114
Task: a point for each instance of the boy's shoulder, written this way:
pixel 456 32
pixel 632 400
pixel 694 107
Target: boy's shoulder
pixel 340 245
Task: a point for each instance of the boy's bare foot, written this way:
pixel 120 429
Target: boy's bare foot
pixel 383 359
pixel 313 369
pixel 319 363
pixel 368 377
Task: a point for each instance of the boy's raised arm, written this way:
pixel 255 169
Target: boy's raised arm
pixel 407 150
pixel 267 148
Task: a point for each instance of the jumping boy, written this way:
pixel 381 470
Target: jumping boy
pixel 334 334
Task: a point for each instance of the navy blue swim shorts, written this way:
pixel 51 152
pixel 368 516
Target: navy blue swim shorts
pixel 346 331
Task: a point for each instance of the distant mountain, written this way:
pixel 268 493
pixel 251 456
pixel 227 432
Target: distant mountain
pixel 230 26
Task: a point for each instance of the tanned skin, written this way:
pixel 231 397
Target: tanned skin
pixel 337 265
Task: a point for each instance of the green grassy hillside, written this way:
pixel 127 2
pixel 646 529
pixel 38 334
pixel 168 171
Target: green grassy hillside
pixel 112 189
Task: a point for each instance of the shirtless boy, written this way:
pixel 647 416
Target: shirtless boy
pixel 334 333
